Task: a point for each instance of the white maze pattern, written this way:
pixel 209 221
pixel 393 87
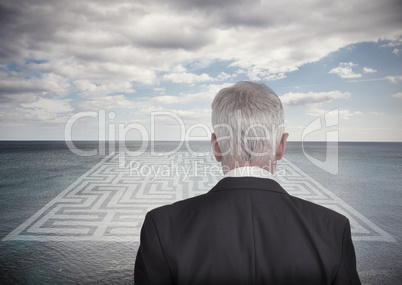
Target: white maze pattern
pixel 109 202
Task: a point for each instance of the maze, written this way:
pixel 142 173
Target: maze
pixel 109 202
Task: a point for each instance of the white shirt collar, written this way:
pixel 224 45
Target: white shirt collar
pixel 249 171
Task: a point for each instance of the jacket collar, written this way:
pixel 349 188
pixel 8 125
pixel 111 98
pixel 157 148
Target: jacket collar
pixel 250 183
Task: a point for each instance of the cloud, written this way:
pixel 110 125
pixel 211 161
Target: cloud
pixel 196 115
pixel 369 70
pixel 342 113
pixel 295 99
pixel 159 30
pixel 115 63
pixel 257 74
pixel 167 99
pixel 49 110
pixel 393 43
pixel 397 95
pixel 107 103
pixel 101 88
pixel 377 113
pixel 191 78
pixel 206 94
pixel 394 79
pixel 277 76
pixel 15 83
pixel 160 90
pixel 19 87
pixel 344 70
pixel 347 114
pixel 224 76
pixel 95 53
pixel 188 78
pixel 135 41
pixel 54 105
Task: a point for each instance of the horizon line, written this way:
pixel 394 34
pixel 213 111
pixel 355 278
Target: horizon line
pixel 117 141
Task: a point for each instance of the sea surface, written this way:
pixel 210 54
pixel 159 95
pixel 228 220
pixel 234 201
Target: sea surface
pixel 32 174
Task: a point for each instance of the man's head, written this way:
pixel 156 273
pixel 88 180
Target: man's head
pixel 248 124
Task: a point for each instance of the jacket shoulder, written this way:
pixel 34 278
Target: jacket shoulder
pixel 319 209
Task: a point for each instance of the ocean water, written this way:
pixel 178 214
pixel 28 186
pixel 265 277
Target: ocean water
pixel 32 174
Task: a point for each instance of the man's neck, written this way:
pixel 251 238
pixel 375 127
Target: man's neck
pixel 249 171
pixel 270 167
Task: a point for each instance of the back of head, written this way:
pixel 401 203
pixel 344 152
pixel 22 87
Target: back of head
pixel 248 121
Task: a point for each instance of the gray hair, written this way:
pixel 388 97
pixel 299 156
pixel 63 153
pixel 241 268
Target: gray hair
pixel 248 121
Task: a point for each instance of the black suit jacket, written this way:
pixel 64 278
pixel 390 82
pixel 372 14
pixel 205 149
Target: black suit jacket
pixel 245 231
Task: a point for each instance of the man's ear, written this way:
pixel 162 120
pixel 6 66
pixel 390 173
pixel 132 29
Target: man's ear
pixel 282 146
pixel 215 148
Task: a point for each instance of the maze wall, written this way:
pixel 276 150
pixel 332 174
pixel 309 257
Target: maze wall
pixel 109 202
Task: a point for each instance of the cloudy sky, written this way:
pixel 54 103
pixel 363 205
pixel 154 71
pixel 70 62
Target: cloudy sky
pixel 156 65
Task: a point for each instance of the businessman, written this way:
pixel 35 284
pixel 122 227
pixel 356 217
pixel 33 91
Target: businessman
pixel 247 229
